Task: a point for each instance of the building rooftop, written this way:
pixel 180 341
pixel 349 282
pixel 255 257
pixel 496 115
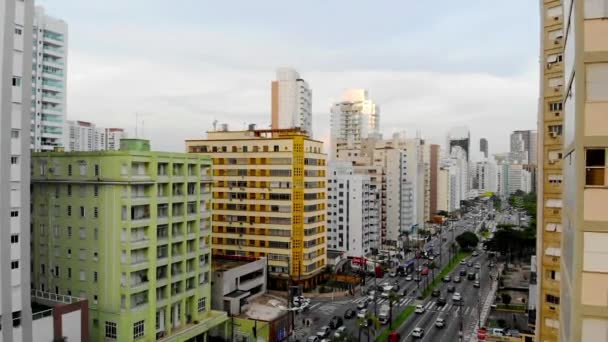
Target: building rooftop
pixel 333 254
pixel 265 308
pixel 222 263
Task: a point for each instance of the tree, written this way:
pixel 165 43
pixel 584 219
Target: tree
pixel 467 240
pixel 392 298
pixel 372 324
pixel 506 298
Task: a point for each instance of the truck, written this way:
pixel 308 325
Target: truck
pixel 384 314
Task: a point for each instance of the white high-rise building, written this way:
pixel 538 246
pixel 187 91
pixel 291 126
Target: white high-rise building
pixel 513 177
pixel 353 119
pixel 85 136
pixel 49 76
pixel 352 211
pixel 16 25
pixel 291 101
pixel 443 189
pixel 485 176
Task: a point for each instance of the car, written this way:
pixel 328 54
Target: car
pixel 463 261
pixel 350 313
pixel 447 279
pixel 362 313
pixel 451 288
pixel 312 339
pixel 435 293
pixel 340 331
pixel 384 295
pixel 419 269
pixel 477 265
pixel 456 297
pixel 457 279
pixel 497 332
pixel 425 271
pixel 362 304
pixel 469 264
pixel 419 309
pixel 476 283
pixel 471 276
pixel 431 257
pixel 392 274
pixel 475 253
pixel 418 332
pixel 335 322
pixel 441 300
pixel 323 332
pixel 409 277
pixel 404 293
pixel 440 322
pixel 463 272
pixel 491 264
pixel 417 277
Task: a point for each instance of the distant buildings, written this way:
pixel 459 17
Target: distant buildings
pixel 459 137
pixel 513 177
pixel 130 231
pixel 353 119
pixel 85 136
pixel 483 147
pixel 49 54
pixel 269 200
pixel 486 176
pixel 353 211
pixel 291 102
pixel 523 147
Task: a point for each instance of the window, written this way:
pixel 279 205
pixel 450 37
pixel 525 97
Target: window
pixel 69 272
pixel 552 299
pixel 15 134
pixel 18 31
pixel 14 213
pixel 15 238
pixel 16 81
pixel 96 170
pixel 276 148
pixel 95 190
pixel 69 169
pixel 95 212
pixel 69 189
pixel 595 162
pixel 95 278
pixel 111 329
pixel 69 210
pixel 69 232
pixel 202 303
pixel 138 329
pixel 83 275
pixel 83 169
pixel 83 233
pixel 595 9
pixel 14 264
pixel 14 160
pixel 82 212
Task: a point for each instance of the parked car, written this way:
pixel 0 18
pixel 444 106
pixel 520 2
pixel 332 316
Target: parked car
pixel 323 332
pixel 418 332
pixel 335 322
pixel 350 313
pixel 419 309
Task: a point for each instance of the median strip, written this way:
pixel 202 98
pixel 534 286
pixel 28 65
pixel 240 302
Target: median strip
pixel 445 271
pixel 402 317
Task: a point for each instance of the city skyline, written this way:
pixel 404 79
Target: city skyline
pixel 417 85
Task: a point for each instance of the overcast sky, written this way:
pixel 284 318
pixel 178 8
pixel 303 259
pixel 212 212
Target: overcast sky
pixel 182 64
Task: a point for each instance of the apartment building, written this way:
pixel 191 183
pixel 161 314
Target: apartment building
pixel 549 172
pixel 269 200
pixel 354 118
pixel 86 136
pixel 582 299
pixel 130 231
pixel 523 143
pixel 435 151
pixel 512 178
pixel 352 211
pixel 49 75
pixel 16 22
pixel 291 103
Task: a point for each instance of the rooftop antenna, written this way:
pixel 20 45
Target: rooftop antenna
pixel 215 125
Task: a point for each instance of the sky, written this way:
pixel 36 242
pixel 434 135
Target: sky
pixel 429 65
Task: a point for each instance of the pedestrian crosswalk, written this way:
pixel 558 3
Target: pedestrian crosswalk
pixel 429 306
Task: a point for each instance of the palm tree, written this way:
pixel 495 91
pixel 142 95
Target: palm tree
pixel 372 324
pixel 432 267
pixel 392 298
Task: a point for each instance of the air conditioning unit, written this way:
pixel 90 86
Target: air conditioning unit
pixel 551 161
pixel 549 65
pixel 553 134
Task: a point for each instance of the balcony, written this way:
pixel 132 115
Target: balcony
pixel 53 51
pixel 139 242
pixel 250 284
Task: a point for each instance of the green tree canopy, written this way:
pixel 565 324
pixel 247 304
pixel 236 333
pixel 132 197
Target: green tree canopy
pixel 467 240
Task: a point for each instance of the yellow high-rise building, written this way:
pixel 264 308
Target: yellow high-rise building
pixel 550 176
pixel 269 200
pixel 574 305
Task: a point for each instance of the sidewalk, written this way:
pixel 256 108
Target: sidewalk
pixel 485 310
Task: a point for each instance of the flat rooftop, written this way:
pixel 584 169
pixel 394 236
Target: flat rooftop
pixel 222 263
pixel 265 308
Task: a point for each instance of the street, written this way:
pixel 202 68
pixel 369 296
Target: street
pixel 322 310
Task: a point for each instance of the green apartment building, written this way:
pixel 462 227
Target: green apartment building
pixel 130 231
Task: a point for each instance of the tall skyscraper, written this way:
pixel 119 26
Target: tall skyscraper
pixel 353 211
pixel 483 147
pixel 579 250
pixel 354 118
pixel 434 179
pixel 16 25
pixel 460 137
pixel 549 175
pixel 269 200
pixel 524 147
pixel 291 102
pixel 49 73
pixel 129 230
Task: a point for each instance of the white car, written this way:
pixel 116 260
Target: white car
pixel 418 332
pixel 477 265
pixel 409 277
pixel 456 297
pixel 341 330
pixel 440 322
pixel 419 309
pixel 362 313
